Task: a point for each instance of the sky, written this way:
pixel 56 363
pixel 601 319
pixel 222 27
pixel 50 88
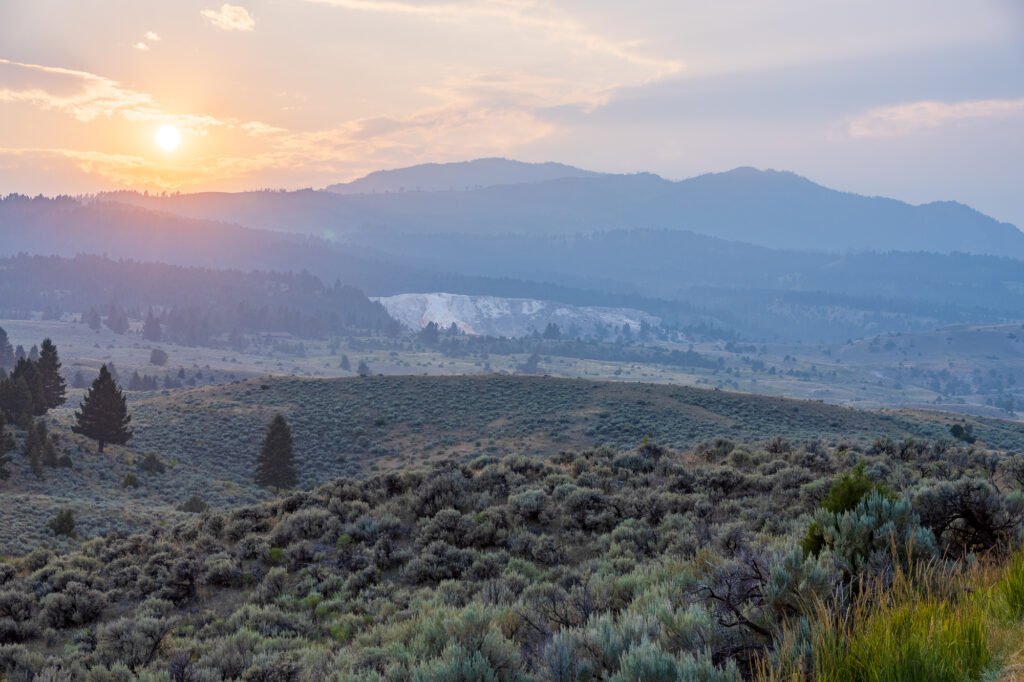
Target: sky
pixel 921 100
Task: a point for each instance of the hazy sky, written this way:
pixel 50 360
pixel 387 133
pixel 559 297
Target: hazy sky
pixel 916 99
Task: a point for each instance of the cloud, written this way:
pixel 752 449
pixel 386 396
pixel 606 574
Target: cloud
pixel 152 37
pixel 230 18
pixel 348 150
pixel 87 96
pixel 917 117
pixel 558 26
pixel 141 46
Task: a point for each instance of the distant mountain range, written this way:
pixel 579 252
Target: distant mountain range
pixel 463 175
pixel 761 254
pixel 767 208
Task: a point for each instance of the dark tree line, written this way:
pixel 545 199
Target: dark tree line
pixel 195 306
pixel 34 386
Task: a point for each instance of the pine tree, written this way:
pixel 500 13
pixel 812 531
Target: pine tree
pixel 6 350
pixel 103 414
pixel 117 319
pixel 363 369
pixel 275 466
pixel 92 318
pixel 6 446
pixel 15 399
pixel 29 371
pixel 33 448
pixel 151 328
pixel 33 353
pixel 49 369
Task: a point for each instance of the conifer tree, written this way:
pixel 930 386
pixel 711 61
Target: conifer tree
pixel 117 319
pixel 92 318
pixel 103 415
pixel 33 447
pixel 29 371
pixel 15 399
pixel 151 328
pixel 49 370
pixel 6 446
pixel 275 466
pixel 6 350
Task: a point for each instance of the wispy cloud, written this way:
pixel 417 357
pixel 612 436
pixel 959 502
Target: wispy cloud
pixel 350 149
pixel 152 36
pixel 917 117
pixel 559 26
pixel 230 18
pixel 141 46
pixel 87 96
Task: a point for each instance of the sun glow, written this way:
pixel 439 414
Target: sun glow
pixel 168 138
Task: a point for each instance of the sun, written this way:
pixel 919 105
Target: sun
pixel 168 138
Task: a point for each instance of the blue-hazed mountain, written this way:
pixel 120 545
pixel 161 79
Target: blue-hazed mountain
pixel 767 208
pixel 462 175
pixel 681 277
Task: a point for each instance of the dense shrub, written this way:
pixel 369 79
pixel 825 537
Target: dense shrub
pixel 63 523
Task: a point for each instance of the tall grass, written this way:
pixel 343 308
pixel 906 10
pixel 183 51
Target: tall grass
pixel 1011 586
pixel 930 623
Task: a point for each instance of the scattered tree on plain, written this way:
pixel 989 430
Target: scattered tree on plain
pixel 6 446
pixel 15 399
pixel 49 369
pixel 28 371
pixel 117 319
pixel 92 318
pixel 275 466
pixel 6 351
pixel 151 328
pixel 103 415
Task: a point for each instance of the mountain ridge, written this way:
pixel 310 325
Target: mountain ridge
pixel 776 209
pixel 459 175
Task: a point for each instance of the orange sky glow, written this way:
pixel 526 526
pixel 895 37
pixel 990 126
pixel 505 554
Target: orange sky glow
pixel 297 93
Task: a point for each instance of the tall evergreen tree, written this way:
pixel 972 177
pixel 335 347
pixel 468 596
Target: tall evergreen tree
pixel 92 318
pixel 275 466
pixel 15 399
pixel 103 414
pixel 117 319
pixel 29 371
pixel 6 446
pixel 6 350
pixel 49 369
pixel 151 328
pixel 35 442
